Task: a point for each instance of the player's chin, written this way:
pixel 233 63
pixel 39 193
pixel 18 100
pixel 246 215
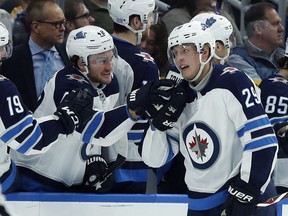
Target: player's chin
pixel 106 80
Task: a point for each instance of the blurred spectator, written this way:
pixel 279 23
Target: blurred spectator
pixel 155 41
pixel 40 57
pixel 263 48
pixel 77 15
pixel 9 5
pixel 20 31
pixel 99 11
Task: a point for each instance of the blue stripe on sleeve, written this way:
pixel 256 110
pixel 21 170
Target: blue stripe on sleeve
pixel 135 136
pixel 13 132
pixel 261 142
pixel 90 130
pixel 253 124
pixel 31 141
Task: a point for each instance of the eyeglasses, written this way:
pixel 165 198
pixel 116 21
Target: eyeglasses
pixel 56 24
pixel 85 15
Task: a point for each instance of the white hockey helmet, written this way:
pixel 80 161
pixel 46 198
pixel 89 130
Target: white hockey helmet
pixel 121 10
pixel 192 33
pixel 89 40
pixel 220 26
pixel 5 42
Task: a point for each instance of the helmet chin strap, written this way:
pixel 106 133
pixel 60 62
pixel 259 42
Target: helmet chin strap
pixel 137 32
pixel 202 64
pixel 222 59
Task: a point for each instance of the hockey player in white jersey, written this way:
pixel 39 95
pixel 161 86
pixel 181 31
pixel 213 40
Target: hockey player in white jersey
pixel 224 134
pixel 78 157
pixel 25 134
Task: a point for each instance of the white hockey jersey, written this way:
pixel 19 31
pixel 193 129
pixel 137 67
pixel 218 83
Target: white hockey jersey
pixel 223 132
pixel 65 162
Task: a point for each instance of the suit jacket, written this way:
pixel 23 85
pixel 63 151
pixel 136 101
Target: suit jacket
pixel 19 69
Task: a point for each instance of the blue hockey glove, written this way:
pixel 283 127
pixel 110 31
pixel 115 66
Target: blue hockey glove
pixel 75 109
pixel 169 114
pixel 150 98
pixel 281 131
pixel 242 199
pixel 96 167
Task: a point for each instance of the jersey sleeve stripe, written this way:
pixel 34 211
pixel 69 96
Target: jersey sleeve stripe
pixel 136 136
pixel 31 140
pixel 92 127
pixel 17 129
pixel 252 125
pixel 261 142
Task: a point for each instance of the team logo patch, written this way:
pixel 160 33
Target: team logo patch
pixel 229 70
pixel 146 57
pixel 202 144
pixel 208 23
pixel 77 78
pixel 278 79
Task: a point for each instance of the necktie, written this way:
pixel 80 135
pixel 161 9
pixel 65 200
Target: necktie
pixel 47 67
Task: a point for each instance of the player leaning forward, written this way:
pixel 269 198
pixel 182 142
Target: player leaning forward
pixel 223 131
pixel 74 159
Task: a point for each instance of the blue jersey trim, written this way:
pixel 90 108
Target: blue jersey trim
pixel 31 141
pixel 8 182
pixel 208 202
pixel 253 124
pixel 17 129
pixel 92 127
pixel 261 142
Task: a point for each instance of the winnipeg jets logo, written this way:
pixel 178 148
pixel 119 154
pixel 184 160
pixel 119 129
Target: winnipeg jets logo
pixel 77 78
pixel 279 79
pixel 198 146
pixel 229 70
pixel 146 57
pixel 202 145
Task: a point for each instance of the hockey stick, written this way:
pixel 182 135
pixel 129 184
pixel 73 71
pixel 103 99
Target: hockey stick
pixel 115 165
pixel 268 202
pixel 273 200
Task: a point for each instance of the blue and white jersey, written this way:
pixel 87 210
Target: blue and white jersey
pixel 274 97
pixel 134 170
pixel 65 162
pixel 223 132
pixel 21 132
pixel 18 129
pixel 142 63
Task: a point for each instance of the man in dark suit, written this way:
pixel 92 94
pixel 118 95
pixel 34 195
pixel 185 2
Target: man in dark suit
pixel 34 62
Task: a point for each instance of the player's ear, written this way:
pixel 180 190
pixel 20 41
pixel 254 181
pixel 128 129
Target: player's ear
pixel 135 22
pixel 81 65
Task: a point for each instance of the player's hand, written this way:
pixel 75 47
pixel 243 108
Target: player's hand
pixel 150 98
pixel 242 199
pixel 96 167
pixel 170 112
pixel 75 109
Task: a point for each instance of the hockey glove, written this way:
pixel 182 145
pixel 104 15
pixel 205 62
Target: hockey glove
pixel 96 167
pixel 75 109
pixel 150 98
pixel 281 131
pixel 242 199
pixel 169 114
